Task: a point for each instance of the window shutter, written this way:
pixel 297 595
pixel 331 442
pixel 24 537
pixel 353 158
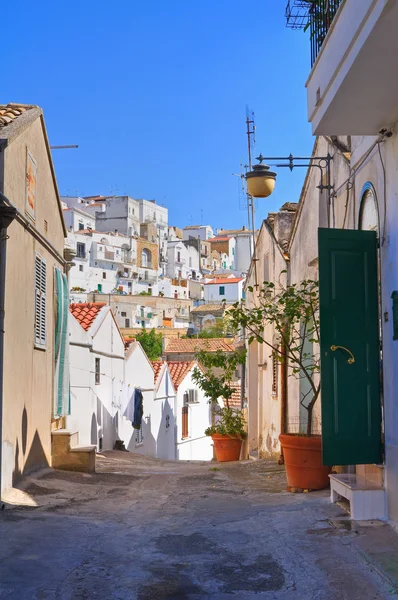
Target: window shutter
pixel 40 301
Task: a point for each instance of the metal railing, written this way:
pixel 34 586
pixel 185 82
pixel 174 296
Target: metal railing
pixel 315 15
pixel 321 15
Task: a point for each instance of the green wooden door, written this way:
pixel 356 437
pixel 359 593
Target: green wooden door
pixel 350 355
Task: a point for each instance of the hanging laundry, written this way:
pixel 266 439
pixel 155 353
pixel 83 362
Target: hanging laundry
pixel 138 408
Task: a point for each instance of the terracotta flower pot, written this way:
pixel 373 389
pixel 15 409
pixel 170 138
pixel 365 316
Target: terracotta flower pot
pixel 227 447
pixel 303 462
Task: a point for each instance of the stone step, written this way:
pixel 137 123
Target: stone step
pixel 67 455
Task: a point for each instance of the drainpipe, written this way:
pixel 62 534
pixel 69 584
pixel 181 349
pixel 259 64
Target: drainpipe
pixel 281 460
pixel 7 215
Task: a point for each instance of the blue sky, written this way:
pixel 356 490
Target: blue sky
pixel 155 92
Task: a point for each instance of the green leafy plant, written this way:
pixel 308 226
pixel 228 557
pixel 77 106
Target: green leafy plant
pixel 220 329
pixel 230 421
pixel 151 342
pixel 293 313
pixel 216 378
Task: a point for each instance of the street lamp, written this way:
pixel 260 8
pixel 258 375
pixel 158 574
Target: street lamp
pixel 260 181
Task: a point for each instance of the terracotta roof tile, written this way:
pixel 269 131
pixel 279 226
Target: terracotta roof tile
pixel 9 112
pixel 224 280
pixel 235 400
pixel 178 369
pixel 193 345
pixel 220 238
pixel 157 367
pixel 86 312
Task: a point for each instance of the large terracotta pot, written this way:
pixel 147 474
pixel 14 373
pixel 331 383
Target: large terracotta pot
pixel 303 462
pixel 227 447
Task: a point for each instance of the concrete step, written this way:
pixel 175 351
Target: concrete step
pixel 67 455
pixel 367 499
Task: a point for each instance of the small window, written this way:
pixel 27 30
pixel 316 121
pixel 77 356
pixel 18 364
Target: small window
pixel 81 226
pixel 99 287
pixel 139 439
pixel 129 284
pixel 80 250
pixel 123 314
pixel 97 371
pixel 100 444
pixel 81 267
pixel 221 290
pixel 40 302
pixel 184 422
pixel 233 251
pixel 127 322
pixel 103 275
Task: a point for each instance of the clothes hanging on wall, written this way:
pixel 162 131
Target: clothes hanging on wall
pixel 138 408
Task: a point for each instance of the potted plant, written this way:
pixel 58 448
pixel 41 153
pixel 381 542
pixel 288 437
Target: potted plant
pixel 215 378
pixel 292 311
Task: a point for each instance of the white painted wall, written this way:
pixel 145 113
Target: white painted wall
pixel 139 373
pixel 95 408
pixel 232 291
pixel 197 446
pixel 163 419
pixel 204 232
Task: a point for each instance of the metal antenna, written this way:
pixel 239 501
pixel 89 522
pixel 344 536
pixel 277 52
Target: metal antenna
pixel 63 147
pixel 251 140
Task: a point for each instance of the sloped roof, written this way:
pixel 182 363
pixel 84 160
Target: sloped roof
pixel 157 367
pixel 11 111
pixel 86 312
pixel 224 280
pixel 178 369
pixel 208 308
pixel 193 345
pixel 220 238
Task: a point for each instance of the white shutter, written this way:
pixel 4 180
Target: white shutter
pixel 40 301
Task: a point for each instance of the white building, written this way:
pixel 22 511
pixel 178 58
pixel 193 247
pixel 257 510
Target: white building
pixel 96 375
pixel 191 414
pixel 140 374
pixel 203 232
pixel 103 262
pixel 229 289
pixel 150 212
pixel 182 261
pixel 359 114
pixel 77 219
pixel 243 247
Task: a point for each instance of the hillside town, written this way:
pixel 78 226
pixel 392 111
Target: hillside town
pixel 199 411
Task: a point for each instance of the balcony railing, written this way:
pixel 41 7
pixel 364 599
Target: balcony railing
pixel 315 15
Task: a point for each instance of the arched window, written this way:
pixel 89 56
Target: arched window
pixel 146 258
pixel 369 210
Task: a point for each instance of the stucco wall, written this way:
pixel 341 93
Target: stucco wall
pixel 28 373
pixel 197 446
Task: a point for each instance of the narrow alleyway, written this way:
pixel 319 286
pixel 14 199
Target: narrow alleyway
pixel 142 529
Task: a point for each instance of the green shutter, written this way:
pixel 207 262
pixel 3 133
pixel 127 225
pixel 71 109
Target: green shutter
pixel 350 348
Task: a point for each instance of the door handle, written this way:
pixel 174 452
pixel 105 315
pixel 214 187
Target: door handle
pixel 351 360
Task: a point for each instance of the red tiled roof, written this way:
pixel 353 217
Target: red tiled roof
pixel 221 238
pixel 193 345
pixel 224 280
pixel 178 369
pixel 86 312
pixel 157 366
pixel 235 400
pixel 9 112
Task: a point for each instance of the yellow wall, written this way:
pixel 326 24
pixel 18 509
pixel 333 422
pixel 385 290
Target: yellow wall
pixel 28 372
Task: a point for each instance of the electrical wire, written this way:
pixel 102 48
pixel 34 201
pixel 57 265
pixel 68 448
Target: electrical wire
pixel 383 239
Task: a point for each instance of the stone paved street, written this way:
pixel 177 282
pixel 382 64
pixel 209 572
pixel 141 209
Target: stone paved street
pixel 142 529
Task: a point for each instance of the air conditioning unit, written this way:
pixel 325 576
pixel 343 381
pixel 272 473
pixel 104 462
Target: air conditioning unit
pixel 191 397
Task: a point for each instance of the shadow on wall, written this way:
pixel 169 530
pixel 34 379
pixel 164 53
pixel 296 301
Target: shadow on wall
pixel 32 459
pixel 166 442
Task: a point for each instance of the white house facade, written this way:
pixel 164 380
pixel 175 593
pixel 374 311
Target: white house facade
pixel 229 289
